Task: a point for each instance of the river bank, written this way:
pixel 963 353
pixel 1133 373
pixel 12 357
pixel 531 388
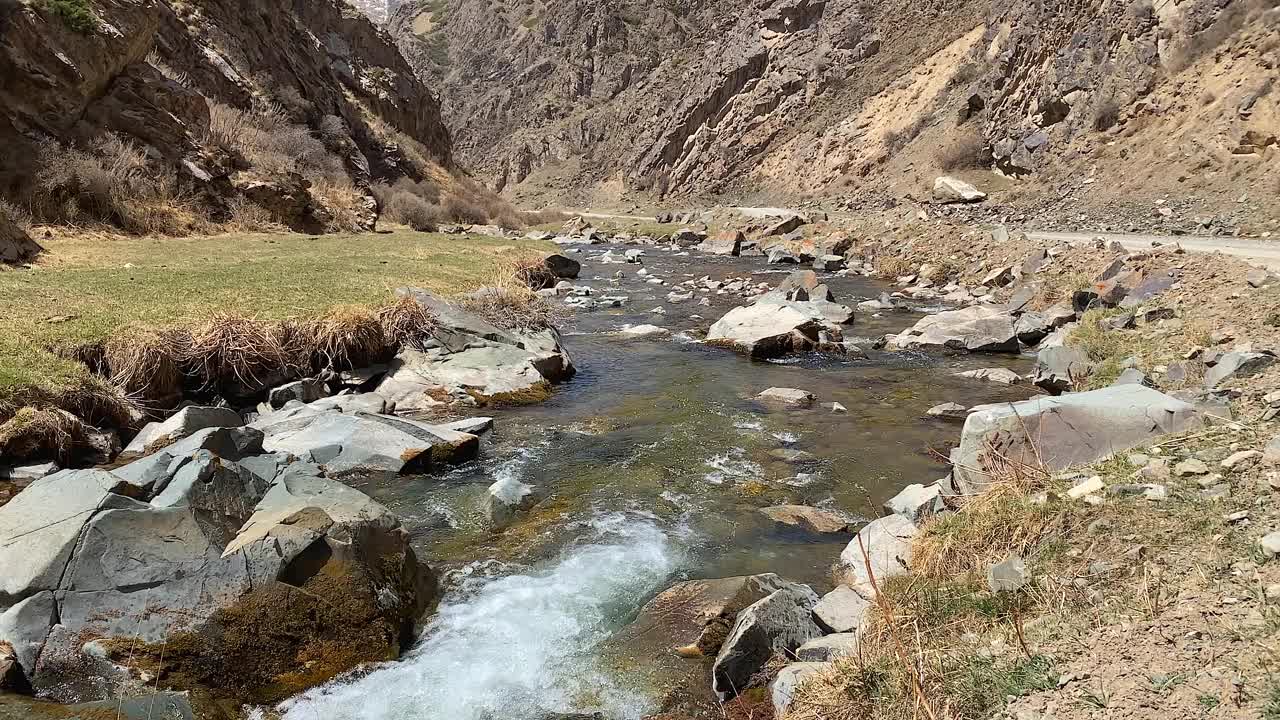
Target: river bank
pixel 661 454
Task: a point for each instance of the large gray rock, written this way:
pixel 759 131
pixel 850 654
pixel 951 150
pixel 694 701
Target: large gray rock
pixel 157 436
pixel 1234 365
pixel 950 190
pixel 346 444
pixel 917 502
pixel 725 242
pixel 39 528
pixel 25 626
pixel 1058 369
pixel 784 686
pixel 885 545
pixel 767 330
pixel 217 558
pixel 779 623
pixel 828 648
pixel 470 360
pixel 981 328
pixel 16 246
pixel 1072 429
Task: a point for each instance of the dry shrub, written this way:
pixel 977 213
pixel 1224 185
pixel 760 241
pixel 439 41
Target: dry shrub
pixel 1107 114
pixel 512 306
pixel 41 433
pixel 893 266
pixel 465 211
pixel 344 202
pixel 406 323
pixel 245 215
pixel 544 217
pixel 15 214
pixel 144 363
pixel 228 349
pixel 988 527
pixel 271 141
pixel 109 182
pixel 534 273
pixel 347 337
pixel 412 210
pixel 966 150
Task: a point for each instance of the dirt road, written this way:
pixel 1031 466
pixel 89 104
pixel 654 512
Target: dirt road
pixel 1261 252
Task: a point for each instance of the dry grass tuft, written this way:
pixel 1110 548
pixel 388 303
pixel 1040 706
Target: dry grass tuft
pixel 534 273
pixel 347 337
pixel 228 350
pixel 41 433
pixel 508 302
pixel 406 323
pixel 988 527
pixel 965 151
pixel 144 363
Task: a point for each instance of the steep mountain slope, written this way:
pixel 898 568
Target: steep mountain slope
pixel 600 99
pixel 215 100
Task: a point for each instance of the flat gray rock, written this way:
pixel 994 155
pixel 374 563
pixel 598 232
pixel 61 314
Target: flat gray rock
pixel 783 688
pixel 1071 429
pixel 842 610
pixel 156 436
pixel 886 543
pixel 828 648
pixel 40 525
pixel 981 328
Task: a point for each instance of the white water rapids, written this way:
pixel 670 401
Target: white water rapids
pixel 518 647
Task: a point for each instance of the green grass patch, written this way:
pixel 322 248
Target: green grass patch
pixel 91 288
pixel 1108 348
pixel 75 14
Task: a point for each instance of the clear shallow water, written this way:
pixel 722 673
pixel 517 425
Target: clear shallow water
pixel 654 461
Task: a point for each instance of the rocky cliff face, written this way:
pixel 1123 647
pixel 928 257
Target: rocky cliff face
pixel 791 97
pixel 152 73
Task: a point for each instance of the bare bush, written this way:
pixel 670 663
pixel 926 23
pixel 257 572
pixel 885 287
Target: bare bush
pixel 463 210
pixel 408 209
pixel 109 183
pixel 269 139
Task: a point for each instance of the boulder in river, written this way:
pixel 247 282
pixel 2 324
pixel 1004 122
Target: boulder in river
pixel 1071 429
pixel 981 328
pixel 769 329
pixel 693 618
pixel 725 242
pixel 779 623
pixel 791 397
pixel 806 518
pixel 473 361
pixel 562 267
pixel 199 576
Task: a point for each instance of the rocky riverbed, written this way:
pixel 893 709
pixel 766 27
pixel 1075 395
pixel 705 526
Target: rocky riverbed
pixel 670 520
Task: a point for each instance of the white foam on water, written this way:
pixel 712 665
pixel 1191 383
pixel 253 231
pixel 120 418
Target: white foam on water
pixel 786 437
pixel 732 465
pixel 519 646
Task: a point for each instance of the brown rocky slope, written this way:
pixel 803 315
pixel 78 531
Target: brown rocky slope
pixel 209 105
pixel 597 102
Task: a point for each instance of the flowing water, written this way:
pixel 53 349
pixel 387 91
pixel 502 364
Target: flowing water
pixel 653 462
